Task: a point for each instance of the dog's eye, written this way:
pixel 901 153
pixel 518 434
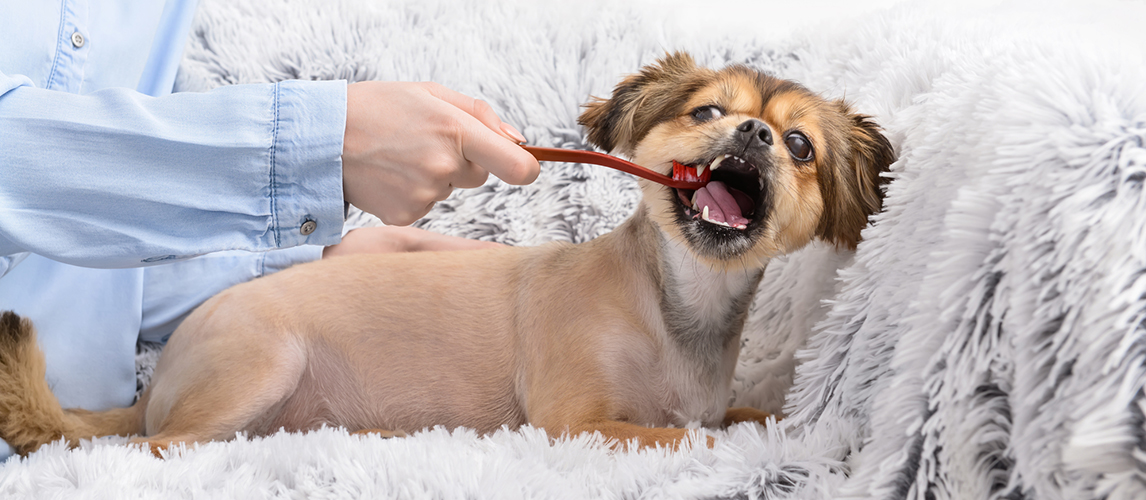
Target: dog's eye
pixel 799 146
pixel 707 113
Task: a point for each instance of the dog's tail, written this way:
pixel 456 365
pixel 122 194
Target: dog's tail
pixel 30 415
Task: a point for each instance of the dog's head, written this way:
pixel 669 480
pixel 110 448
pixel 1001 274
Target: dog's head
pixel 786 165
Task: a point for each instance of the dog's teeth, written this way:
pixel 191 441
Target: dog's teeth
pixel 704 215
pixel 716 162
pixel 694 207
pixel 700 170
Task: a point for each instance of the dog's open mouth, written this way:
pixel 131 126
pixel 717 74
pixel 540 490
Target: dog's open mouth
pixel 731 196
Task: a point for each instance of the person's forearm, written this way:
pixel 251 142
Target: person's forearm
pixel 118 179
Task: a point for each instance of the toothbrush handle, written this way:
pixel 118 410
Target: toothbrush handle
pixel 578 156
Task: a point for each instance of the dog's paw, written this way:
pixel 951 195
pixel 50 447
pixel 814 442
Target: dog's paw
pixel 745 414
pixel 380 433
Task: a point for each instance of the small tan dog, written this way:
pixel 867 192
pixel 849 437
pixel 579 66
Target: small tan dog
pixel 625 335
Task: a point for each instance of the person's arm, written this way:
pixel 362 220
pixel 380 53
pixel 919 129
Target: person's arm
pixel 119 179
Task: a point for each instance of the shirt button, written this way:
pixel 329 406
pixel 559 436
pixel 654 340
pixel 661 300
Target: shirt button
pixel 308 227
pixel 77 39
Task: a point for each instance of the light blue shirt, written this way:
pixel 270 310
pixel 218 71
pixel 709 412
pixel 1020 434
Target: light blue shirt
pixel 103 170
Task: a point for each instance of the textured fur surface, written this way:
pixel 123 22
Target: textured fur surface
pixel 984 341
pixel 987 342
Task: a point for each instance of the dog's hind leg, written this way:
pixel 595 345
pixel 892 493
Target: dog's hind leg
pixel 159 444
pixel 216 410
pixel 210 384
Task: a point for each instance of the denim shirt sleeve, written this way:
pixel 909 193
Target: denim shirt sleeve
pixel 119 179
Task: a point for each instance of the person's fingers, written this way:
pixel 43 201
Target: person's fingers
pixel 414 205
pixel 469 176
pixel 476 108
pixel 504 159
pixel 482 144
pixel 383 239
pixel 513 132
pixel 429 241
pixel 429 141
pixel 401 216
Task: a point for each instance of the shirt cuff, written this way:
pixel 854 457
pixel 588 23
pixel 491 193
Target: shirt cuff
pixel 306 162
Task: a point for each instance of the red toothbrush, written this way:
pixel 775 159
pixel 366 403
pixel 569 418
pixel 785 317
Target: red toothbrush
pixel 684 176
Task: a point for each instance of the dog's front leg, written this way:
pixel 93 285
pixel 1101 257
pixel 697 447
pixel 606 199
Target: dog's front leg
pixel 746 414
pixel 623 435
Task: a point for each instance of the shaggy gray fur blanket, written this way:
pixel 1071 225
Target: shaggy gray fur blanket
pixel 987 339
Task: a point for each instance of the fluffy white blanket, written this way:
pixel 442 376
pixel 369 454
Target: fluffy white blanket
pixel 985 341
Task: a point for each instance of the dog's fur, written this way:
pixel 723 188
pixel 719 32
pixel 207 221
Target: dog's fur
pixel 626 335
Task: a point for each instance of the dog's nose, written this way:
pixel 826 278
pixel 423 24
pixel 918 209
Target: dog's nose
pixel 755 133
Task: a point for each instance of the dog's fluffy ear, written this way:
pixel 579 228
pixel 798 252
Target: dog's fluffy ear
pixel 640 102
pixel 852 189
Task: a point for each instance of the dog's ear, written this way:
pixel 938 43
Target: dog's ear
pixel 852 186
pixel 641 101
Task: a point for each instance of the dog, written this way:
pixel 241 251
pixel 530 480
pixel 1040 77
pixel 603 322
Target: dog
pixel 633 335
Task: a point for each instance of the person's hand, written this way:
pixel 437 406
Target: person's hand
pixel 400 239
pixel 408 145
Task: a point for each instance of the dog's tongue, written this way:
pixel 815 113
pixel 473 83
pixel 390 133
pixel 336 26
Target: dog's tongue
pixel 723 205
